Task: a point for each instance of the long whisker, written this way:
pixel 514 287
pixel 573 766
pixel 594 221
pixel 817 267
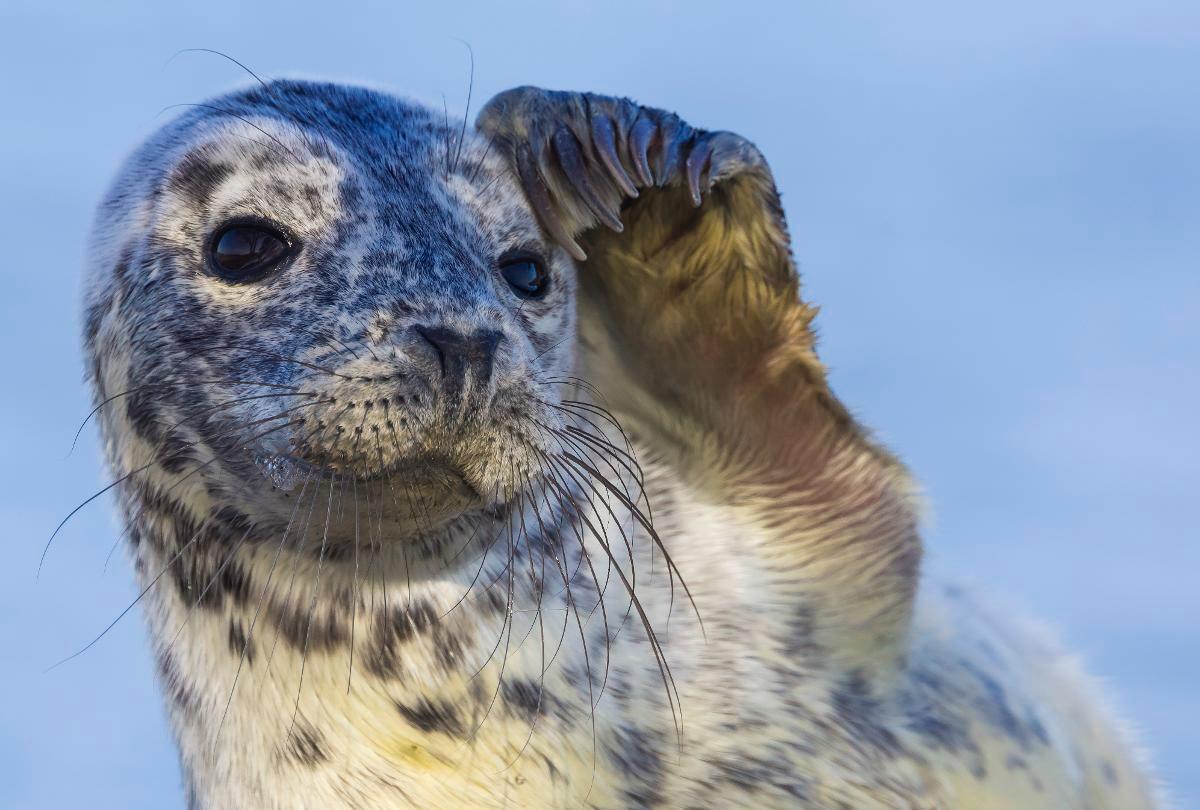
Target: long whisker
pixel 224 56
pixel 302 545
pixel 211 581
pixel 565 492
pixel 153 386
pixel 462 136
pixel 643 520
pixel 355 591
pixel 186 446
pixel 241 118
pixel 311 607
pixel 137 599
pixel 261 601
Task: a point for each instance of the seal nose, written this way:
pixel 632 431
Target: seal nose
pixel 462 355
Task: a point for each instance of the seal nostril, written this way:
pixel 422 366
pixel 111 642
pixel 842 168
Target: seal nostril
pixel 438 339
pixel 460 353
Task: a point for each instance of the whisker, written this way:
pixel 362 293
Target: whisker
pixel 211 581
pixel 462 136
pixel 258 608
pixel 312 607
pixel 302 545
pixel 127 476
pixel 664 666
pixel 355 591
pixel 136 600
pixel 152 386
pixel 241 118
pixel 224 56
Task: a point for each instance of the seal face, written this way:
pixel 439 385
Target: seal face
pixel 319 284
pixel 467 466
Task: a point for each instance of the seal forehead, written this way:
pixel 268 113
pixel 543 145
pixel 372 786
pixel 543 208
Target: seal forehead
pixel 248 168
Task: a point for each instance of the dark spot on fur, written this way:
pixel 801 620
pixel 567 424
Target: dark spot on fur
pixel 196 178
pixel 143 417
pixel 994 707
pixel 239 643
pixel 433 716
pixel 933 711
pixel 305 746
pixel 448 647
pixel 753 774
pixel 636 757
pixel 310 630
pixel 178 692
pixel 174 454
pixel 860 712
pixel 941 731
pixel 202 576
pixel 1110 773
pixel 237 522
pixel 800 643
pixel 392 631
pixel 523 697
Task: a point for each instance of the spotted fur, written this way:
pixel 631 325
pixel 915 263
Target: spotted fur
pixel 641 557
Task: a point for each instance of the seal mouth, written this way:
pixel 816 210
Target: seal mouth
pixel 430 473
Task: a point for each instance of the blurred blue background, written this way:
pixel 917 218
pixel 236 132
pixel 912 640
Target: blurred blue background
pixel 998 209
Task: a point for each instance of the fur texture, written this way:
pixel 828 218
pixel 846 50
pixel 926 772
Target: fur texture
pixel 637 556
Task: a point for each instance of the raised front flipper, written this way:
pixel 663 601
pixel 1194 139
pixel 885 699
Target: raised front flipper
pixel 688 266
pixel 693 328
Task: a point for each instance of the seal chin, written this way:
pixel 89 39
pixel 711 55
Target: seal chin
pixel 286 473
pixel 429 482
pixel 416 493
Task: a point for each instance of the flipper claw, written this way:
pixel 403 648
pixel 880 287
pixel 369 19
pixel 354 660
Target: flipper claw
pixel 539 197
pixel 566 146
pixel 640 138
pixel 604 140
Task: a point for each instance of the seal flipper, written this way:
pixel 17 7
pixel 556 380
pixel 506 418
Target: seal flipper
pixel 693 327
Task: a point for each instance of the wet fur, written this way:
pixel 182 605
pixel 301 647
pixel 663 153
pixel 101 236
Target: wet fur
pixel 652 561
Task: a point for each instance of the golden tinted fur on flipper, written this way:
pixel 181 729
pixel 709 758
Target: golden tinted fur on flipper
pixel 703 306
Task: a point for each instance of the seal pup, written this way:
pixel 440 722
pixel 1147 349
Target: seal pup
pixel 494 466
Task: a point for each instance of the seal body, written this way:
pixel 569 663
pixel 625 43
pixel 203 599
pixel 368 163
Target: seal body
pixel 513 480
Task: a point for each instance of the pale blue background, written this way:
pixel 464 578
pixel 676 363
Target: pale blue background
pixel 997 206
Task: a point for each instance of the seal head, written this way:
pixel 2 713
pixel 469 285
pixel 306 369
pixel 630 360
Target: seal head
pixel 320 281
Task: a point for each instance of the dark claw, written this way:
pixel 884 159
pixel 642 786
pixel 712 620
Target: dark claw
pixel 670 156
pixel 539 196
pixel 640 137
pixel 697 161
pixel 605 142
pixel 569 157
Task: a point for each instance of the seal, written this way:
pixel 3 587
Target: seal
pixel 494 465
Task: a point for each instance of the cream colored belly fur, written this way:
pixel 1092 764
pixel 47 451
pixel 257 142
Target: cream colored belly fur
pixel 986 713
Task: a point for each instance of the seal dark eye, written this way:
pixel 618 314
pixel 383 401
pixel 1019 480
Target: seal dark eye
pixel 247 252
pixel 526 275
